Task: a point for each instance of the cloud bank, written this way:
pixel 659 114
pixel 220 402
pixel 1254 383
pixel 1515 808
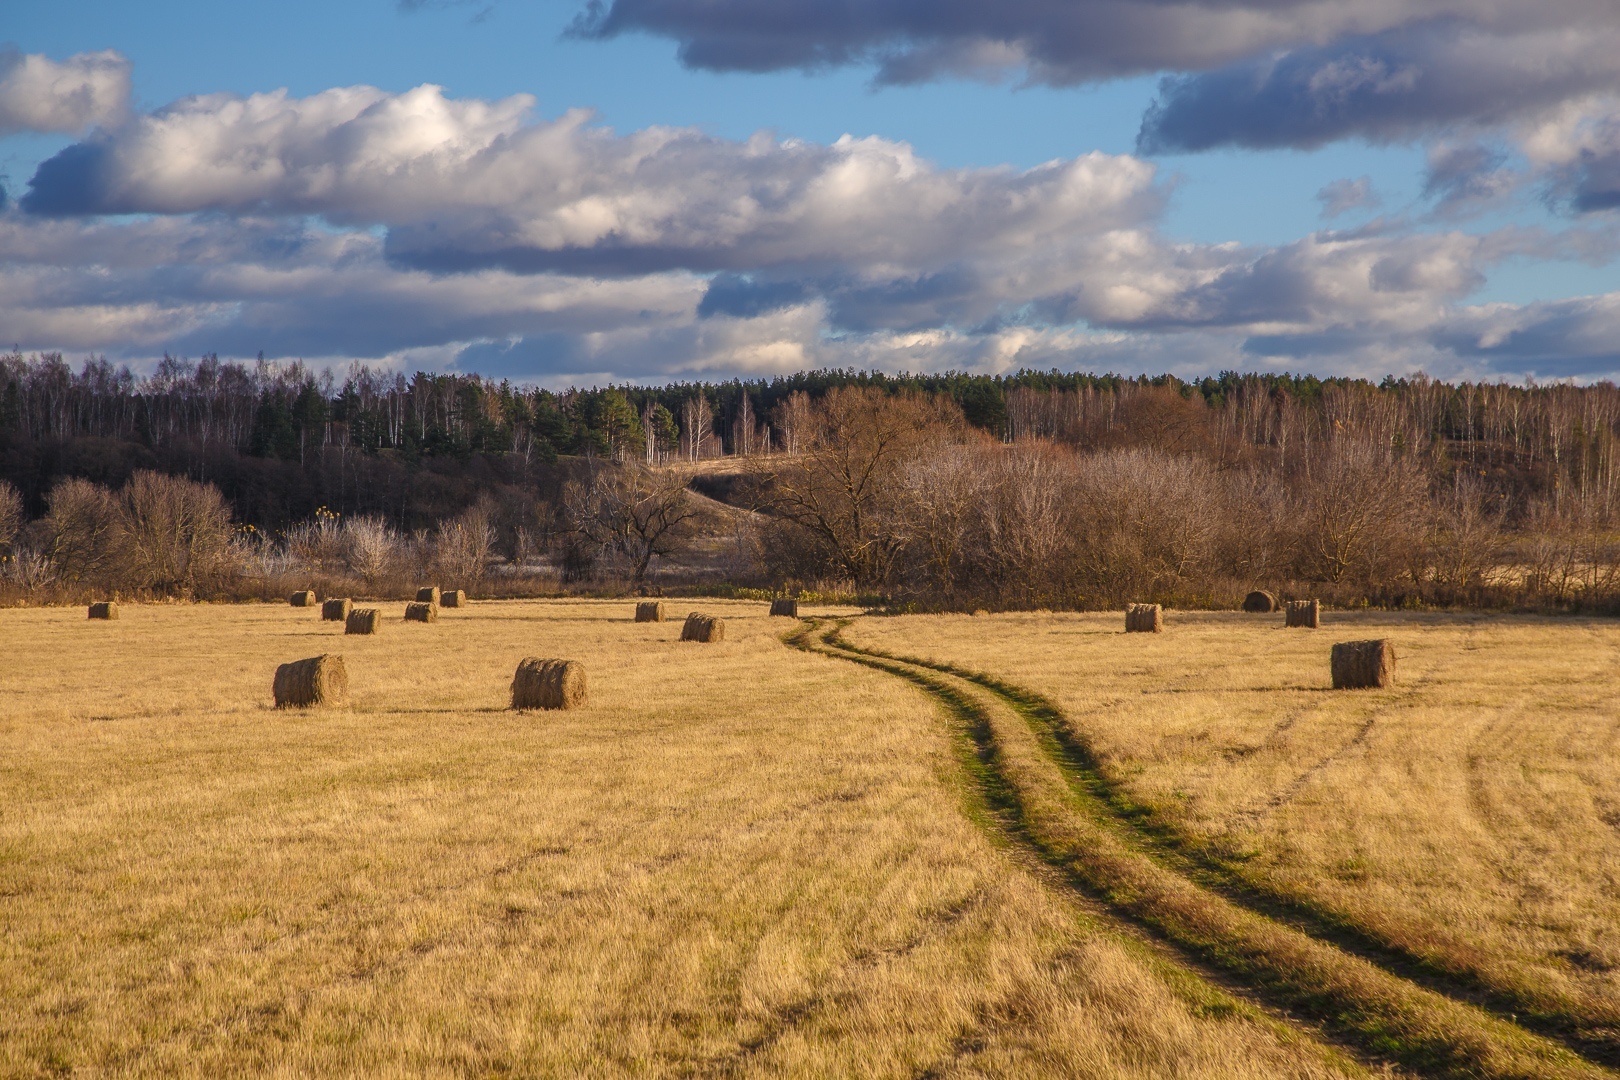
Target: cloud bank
pixel 419 228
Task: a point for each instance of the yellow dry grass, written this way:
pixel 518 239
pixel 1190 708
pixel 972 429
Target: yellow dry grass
pixel 1469 817
pixel 736 859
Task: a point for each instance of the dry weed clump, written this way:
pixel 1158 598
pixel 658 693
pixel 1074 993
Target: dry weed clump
pixel 548 684
pixel 319 680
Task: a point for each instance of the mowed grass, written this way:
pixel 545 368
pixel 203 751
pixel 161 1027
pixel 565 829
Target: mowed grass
pixel 1468 818
pixel 737 859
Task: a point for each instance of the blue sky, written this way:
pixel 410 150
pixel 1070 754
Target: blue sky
pixel 1183 259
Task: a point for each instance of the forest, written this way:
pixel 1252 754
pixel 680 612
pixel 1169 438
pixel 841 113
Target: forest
pixel 953 490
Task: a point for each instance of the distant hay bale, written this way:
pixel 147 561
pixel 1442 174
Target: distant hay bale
pixel 649 611
pixel 548 684
pixel 1260 602
pixel 429 595
pixel 788 608
pixel 701 627
pixel 452 598
pixel 303 599
pixel 106 609
pixel 320 680
pixel 420 612
pixel 363 620
pixel 1363 664
pixel 1144 619
pixel 1305 613
pixel 978 612
pixel 336 610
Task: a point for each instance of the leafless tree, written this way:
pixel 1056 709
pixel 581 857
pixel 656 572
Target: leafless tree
pixel 372 547
pixel 639 512
pixel 11 515
pixel 843 489
pixel 178 532
pixel 462 545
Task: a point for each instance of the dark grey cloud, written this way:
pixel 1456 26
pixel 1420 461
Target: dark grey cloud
pixel 1395 85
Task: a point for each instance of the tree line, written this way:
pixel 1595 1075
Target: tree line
pixel 1032 489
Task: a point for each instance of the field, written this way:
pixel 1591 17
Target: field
pixel 1035 847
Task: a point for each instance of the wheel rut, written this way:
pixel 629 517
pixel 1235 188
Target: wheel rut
pixel 1063 812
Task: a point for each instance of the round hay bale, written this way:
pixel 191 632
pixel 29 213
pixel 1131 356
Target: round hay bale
pixel 1359 665
pixel 320 680
pixel 363 620
pixel 979 612
pixel 1259 602
pixel 303 599
pixel 1303 613
pixel 105 609
pixel 453 598
pixel 336 610
pixel 701 627
pixel 420 612
pixel 548 684
pixel 429 595
pixel 650 611
pixel 788 608
pixel 1144 619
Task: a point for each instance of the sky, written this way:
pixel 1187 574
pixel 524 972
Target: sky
pixel 573 192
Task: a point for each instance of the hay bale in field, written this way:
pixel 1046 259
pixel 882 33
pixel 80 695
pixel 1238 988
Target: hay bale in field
pixel 429 595
pixel 1144 619
pixel 1305 613
pixel 1260 602
pixel 701 627
pixel 1363 664
pixel 363 620
pixel 420 612
pixel 789 608
pixel 649 611
pixel 548 684
pixel 320 680
pixel 452 598
pixel 303 599
pixel 336 610
pixel 106 609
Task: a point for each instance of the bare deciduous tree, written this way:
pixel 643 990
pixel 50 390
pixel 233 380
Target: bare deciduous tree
pixel 639 512
pixel 372 547
pixel 843 488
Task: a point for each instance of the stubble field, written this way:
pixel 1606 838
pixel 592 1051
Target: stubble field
pixel 1057 851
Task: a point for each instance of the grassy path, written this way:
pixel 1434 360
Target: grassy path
pixel 1069 817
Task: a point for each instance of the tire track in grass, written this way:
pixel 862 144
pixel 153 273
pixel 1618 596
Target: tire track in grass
pixel 1065 815
pixel 1592 1032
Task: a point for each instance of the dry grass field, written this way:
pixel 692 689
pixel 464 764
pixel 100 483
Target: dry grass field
pixel 1462 828
pixel 736 859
